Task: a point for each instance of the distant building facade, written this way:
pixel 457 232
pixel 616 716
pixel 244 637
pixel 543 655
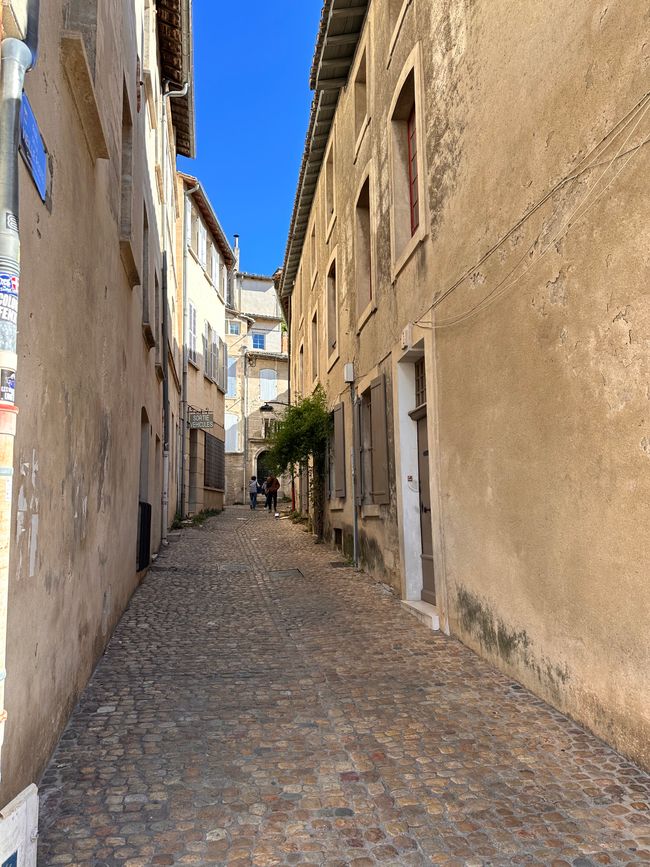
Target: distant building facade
pixel 465 276
pixel 207 260
pixel 257 377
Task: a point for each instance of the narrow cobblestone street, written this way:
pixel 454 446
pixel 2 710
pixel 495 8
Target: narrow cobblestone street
pixel 245 714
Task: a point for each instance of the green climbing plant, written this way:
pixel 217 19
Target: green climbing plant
pixel 300 437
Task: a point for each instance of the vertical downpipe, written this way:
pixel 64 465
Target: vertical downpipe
pixel 16 59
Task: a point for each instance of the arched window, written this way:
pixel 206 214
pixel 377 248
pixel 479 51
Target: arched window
pixel 268 384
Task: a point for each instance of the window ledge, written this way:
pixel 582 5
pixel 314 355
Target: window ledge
pixel 77 70
pixel 332 359
pixel 128 260
pixel 372 510
pixel 410 248
pixel 194 364
pixel 337 504
pixel 314 276
pixel 147 333
pixel 362 134
pixel 365 316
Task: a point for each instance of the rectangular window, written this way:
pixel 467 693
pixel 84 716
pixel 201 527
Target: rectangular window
pixel 301 370
pixel 214 356
pixel 222 375
pixel 126 187
pixel 233 327
pixel 214 466
pixel 157 300
pixel 420 383
pixel 192 336
pixel 202 249
pixel 406 200
pixel 314 346
pixel 207 334
pixel 259 340
pixel 145 268
pixel 329 186
pixel 360 97
pixel 363 250
pixel 214 268
pixel 413 171
pixel 269 426
pixel 232 378
pixel 224 280
pixel 332 309
pixel 312 251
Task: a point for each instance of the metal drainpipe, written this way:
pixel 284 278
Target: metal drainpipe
pixel 164 512
pixel 186 217
pixel 17 58
pixel 355 480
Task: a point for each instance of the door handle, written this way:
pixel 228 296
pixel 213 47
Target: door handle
pixel 424 508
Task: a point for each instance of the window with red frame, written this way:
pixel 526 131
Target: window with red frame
pixel 413 171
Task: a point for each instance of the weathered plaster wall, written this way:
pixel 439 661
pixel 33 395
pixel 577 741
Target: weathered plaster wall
pixel 540 444
pixel 84 376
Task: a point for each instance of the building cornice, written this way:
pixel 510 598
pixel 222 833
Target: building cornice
pixel 174 20
pixel 208 213
pixel 338 37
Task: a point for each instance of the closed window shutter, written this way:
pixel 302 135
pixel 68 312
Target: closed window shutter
pixel 380 492
pixel 339 451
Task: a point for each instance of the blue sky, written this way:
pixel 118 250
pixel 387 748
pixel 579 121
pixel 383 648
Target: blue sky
pixel 252 97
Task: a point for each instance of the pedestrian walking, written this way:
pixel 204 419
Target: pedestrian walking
pixel 253 490
pixel 272 486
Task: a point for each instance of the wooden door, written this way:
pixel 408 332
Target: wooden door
pixel 428 582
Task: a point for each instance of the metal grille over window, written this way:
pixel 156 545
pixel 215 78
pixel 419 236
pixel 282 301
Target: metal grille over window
pixel 214 473
pixel 420 383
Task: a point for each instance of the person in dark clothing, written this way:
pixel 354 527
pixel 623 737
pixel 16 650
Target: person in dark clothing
pixel 253 490
pixel 272 487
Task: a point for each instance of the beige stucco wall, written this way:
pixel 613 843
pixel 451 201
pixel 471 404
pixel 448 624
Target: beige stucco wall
pixel 203 392
pixel 85 373
pixel 538 406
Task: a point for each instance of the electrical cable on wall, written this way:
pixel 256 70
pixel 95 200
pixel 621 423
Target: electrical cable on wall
pixel 637 114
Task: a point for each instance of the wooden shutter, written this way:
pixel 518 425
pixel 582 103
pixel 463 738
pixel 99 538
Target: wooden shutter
pixel 380 491
pixel 339 451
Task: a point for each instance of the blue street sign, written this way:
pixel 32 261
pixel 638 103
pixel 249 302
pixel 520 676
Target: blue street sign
pixel 12 861
pixel 32 148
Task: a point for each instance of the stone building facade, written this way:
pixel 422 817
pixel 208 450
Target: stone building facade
pixel 207 260
pixel 97 346
pixel 257 377
pixel 465 277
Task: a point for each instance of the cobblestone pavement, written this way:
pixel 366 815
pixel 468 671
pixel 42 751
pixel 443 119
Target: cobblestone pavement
pixel 243 716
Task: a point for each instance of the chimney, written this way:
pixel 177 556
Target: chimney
pixel 236 252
